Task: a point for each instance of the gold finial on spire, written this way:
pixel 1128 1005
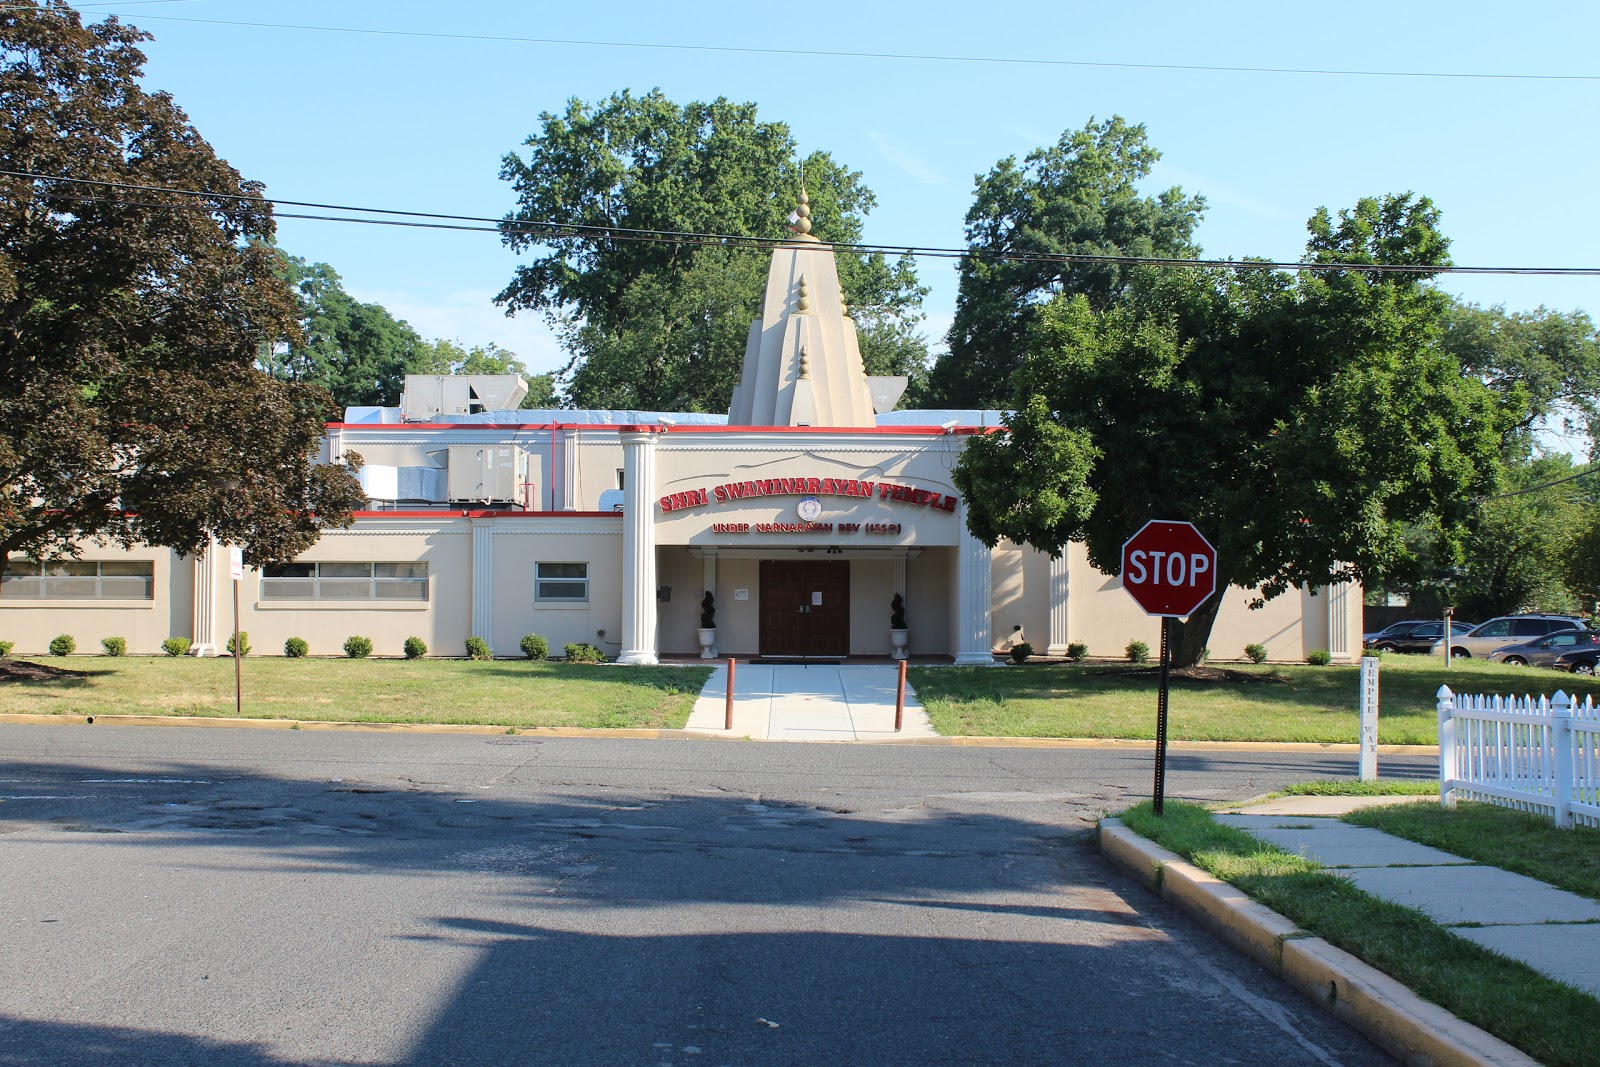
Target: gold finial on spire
pixel 800 217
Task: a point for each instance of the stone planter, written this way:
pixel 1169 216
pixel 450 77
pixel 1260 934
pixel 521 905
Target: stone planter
pixel 897 644
pixel 708 643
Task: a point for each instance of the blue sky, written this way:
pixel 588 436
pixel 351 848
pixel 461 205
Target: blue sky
pixel 421 123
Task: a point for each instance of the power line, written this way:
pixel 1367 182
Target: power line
pixel 550 230
pixel 916 57
pixel 1537 488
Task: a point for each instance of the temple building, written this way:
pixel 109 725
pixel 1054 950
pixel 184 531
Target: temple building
pixel 802 513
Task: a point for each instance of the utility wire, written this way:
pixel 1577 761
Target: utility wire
pixel 1537 488
pixel 550 231
pixel 917 57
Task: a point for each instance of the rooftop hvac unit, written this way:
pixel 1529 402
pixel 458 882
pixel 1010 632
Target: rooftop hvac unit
pixel 489 474
pixel 429 396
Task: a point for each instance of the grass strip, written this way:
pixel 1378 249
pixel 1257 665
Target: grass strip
pixel 1333 787
pixel 513 693
pixel 1514 840
pixel 1547 1019
pixel 1282 702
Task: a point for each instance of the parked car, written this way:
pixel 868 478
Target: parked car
pixel 1542 651
pixel 1506 630
pixel 1578 661
pixel 1423 638
pixel 1396 629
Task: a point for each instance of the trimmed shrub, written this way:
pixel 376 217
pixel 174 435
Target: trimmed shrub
pixel 1138 652
pixel 1077 650
pixel 357 647
pixel 6 647
pixel 415 648
pixel 478 648
pixel 1020 652
pixel 897 613
pixel 114 646
pixel 1319 657
pixel 175 646
pixel 296 648
pixel 244 642
pixel 582 653
pixel 1255 653
pixel 64 645
pixel 535 647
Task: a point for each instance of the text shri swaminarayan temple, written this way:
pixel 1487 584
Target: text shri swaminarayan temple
pixel 803 512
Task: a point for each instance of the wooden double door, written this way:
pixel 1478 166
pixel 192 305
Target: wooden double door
pixel 805 607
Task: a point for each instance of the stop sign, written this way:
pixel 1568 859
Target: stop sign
pixel 1168 568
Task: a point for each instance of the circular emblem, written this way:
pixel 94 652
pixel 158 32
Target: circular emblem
pixel 809 508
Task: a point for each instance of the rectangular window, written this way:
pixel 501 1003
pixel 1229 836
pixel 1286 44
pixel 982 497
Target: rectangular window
pixel 344 581
pixel 76 579
pixel 561 583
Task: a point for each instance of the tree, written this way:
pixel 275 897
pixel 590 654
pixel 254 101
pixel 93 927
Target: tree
pixel 130 319
pixel 1519 548
pixel 358 352
pixel 1301 422
pixel 656 323
pixel 1544 364
pixel 448 357
pixel 1078 197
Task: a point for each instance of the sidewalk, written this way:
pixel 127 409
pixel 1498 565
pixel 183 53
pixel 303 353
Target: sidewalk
pixel 1549 929
pixel 809 703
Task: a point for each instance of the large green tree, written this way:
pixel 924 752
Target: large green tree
pixel 1544 364
pixel 662 323
pixel 1301 421
pixel 358 352
pixel 131 408
pixel 1081 197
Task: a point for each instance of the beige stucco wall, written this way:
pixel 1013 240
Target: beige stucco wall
pixel 517 544
pixel 442 621
pixel 691 461
pixel 144 624
pixel 1102 615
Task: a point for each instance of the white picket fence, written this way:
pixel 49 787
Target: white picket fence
pixel 1533 753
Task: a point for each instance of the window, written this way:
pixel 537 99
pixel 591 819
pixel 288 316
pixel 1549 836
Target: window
pixel 344 581
pixel 1497 628
pixel 76 579
pixel 561 583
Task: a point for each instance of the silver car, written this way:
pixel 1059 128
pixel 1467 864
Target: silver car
pixel 1506 630
pixel 1543 651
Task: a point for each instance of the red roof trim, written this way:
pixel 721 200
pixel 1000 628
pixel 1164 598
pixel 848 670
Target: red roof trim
pixel 483 513
pixel 619 427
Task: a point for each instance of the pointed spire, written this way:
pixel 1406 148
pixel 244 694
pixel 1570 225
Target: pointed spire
pixel 800 217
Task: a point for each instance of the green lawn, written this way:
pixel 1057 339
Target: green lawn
pixel 1306 704
pixel 1500 837
pixel 501 692
pixel 1547 1019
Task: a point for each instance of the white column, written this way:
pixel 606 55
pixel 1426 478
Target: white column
pixel 638 546
pixel 483 579
pixel 205 602
pixel 569 470
pixel 1059 570
pixel 974 645
pixel 1339 620
pixel 900 575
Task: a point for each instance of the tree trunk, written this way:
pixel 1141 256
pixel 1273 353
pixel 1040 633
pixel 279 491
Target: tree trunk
pixel 1190 642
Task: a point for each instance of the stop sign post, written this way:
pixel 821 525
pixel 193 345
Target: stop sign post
pixel 1170 570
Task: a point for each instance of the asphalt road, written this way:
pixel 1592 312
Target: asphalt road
pixel 237 897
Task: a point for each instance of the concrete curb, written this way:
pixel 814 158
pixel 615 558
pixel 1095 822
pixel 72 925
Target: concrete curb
pixel 1414 1030
pixel 664 734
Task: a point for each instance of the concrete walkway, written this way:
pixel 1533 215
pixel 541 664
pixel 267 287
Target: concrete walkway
pixel 1549 929
pixel 809 703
